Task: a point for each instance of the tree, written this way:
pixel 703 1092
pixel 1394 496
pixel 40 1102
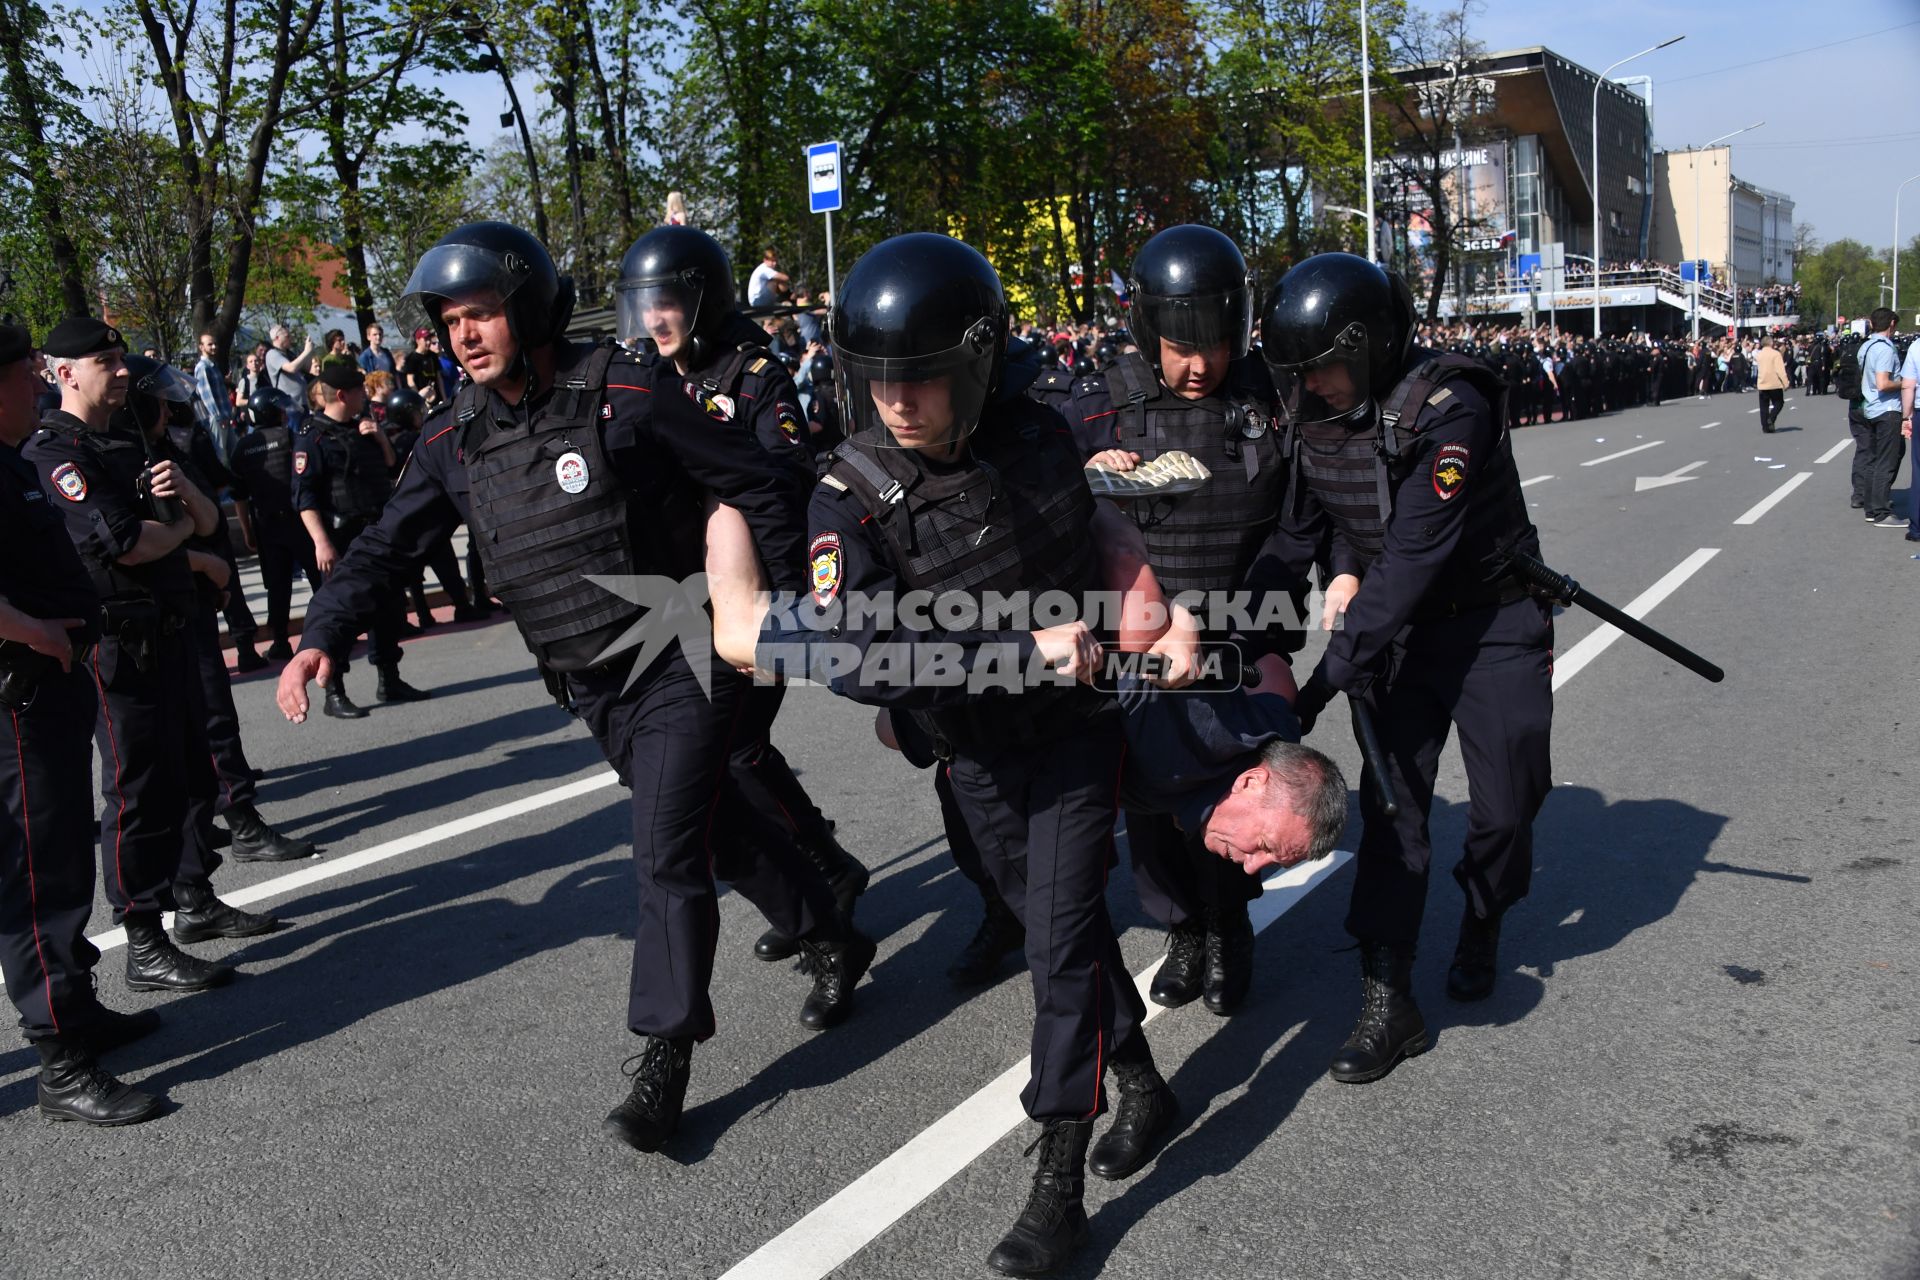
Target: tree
pixel 35 99
pixel 1855 267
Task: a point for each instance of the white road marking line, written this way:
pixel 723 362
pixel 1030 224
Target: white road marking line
pixel 316 872
pixel 1768 503
pixel 1832 453
pixel 1678 476
pixel 1753 411
pixel 1526 484
pixel 1708 426
pixel 852 1219
pixel 1569 664
pixel 1594 462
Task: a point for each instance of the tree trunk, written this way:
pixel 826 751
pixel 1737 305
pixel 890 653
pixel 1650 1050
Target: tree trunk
pixel 46 193
pixel 612 140
pixel 566 93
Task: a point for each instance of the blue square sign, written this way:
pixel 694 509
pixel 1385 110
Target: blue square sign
pixel 823 177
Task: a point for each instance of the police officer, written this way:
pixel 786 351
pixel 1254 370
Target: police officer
pixel 402 415
pixel 825 422
pixel 945 489
pixel 130 517
pixel 342 474
pixel 565 465
pixel 1401 459
pixel 1190 385
pixel 158 394
pixel 675 298
pixel 262 470
pixel 49 623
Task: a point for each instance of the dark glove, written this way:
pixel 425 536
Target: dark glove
pixel 1315 694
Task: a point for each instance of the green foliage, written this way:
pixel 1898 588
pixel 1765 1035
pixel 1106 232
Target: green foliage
pixel 1858 270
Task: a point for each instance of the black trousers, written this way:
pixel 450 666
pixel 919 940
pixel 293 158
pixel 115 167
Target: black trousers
pixel 1878 448
pixel 1178 879
pixel 283 549
pixel 446 567
pixel 966 854
pixel 156 774
pixel 1770 403
pixel 1486 672
pixel 383 629
pixel 671 744
pixel 240 621
pixel 763 774
pixel 227 754
pixel 1043 815
pixel 46 854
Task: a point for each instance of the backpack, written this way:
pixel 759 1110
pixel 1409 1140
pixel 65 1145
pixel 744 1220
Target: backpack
pixel 1846 367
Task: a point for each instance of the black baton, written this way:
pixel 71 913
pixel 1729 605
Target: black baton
pixel 1367 734
pixel 1565 591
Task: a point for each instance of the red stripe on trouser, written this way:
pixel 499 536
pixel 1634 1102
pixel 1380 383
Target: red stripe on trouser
pixel 113 745
pixel 33 890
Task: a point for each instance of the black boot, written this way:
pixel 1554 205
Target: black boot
pixel 280 651
pixel 652 1110
pixel 1476 958
pixel 393 689
pixel 1229 969
pixel 1390 1026
pixel 340 706
pixel 198 916
pixel 845 874
pixel 247 659
pixel 75 1087
pixel 99 1029
pixel 155 964
pixel 255 841
pixel 1142 1120
pixel 1054 1223
pixel 1000 933
pixel 1181 974
pixel 834 967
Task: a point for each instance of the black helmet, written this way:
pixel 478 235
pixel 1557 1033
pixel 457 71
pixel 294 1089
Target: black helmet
pixel 268 408
pixel 405 410
pixel 791 359
pixel 1336 308
pixel 683 268
pixel 1083 367
pixel 915 308
pixel 151 386
pixel 505 259
pixel 1106 353
pixel 1190 285
pixel 820 369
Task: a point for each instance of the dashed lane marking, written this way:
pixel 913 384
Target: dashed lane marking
pixel 1571 663
pixel 1772 500
pixel 1651 444
pixel 1832 453
pixel 1528 484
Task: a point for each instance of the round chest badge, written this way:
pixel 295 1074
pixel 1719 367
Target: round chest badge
pixel 571 471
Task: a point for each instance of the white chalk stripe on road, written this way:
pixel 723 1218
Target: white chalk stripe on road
pixel 855 1217
pixel 318 871
pixel 1772 500
pixel 1753 411
pixel 1832 453
pixel 1651 444
pixel 1708 426
pixel 1528 484
pixel 1569 664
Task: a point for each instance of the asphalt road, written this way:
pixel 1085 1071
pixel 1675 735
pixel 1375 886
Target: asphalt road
pixel 1700 1062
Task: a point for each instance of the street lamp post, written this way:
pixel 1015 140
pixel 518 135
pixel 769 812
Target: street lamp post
pixel 1594 172
pixel 1896 239
pixel 1366 125
pixel 1698 255
pixel 1836 302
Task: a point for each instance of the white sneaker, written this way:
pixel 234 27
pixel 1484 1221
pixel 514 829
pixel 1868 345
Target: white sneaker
pixel 1889 521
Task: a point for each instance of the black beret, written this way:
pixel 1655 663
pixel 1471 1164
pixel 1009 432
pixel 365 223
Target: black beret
pixel 342 375
pixel 82 336
pixel 15 343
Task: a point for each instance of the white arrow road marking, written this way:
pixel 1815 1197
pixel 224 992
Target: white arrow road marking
pixel 1623 453
pixel 1643 483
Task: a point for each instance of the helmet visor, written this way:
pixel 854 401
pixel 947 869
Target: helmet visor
pixel 655 308
pixel 1207 321
pixel 165 382
pixel 1327 386
pixel 462 270
pixel 910 402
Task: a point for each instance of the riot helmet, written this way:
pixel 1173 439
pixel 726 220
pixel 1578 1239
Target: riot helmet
pixel 405 410
pixel 915 310
pixel 500 257
pixel 673 269
pixel 153 385
pixel 268 408
pixel 1336 309
pixel 1190 285
pixel 791 359
pixel 820 370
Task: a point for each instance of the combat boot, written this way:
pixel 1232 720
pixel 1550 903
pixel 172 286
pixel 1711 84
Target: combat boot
pixel 99 1029
pixel 198 916
pixel 1054 1223
pixel 845 874
pixel 340 706
pixel 1229 963
pixel 280 651
pixel 652 1110
pixel 1144 1116
pixel 1390 1026
pixel 834 967
pixel 1476 958
pixel 247 659
pixel 1182 974
pixel 155 964
pixel 393 689
pixel 75 1087
pixel 255 841
pixel 1001 933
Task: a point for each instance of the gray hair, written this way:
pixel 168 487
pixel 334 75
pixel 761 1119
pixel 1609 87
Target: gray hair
pixel 278 332
pixel 1312 786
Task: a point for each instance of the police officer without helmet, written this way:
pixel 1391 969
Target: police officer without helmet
pixel 565 466
pixel 262 467
pixel 1404 467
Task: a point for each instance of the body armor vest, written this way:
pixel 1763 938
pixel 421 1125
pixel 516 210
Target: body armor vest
pixel 1208 540
pixel 357 480
pixel 547 511
pixel 264 461
pixel 168 581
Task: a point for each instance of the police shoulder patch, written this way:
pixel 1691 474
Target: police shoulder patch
pixel 300 463
pixel 1450 471
pixel 70 481
pixel 823 563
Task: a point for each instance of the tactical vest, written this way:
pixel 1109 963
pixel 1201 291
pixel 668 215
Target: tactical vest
pixel 547 511
pixel 1053 388
pixel 357 481
pixel 1208 540
pixel 265 459
pixel 1353 473
pixel 168 581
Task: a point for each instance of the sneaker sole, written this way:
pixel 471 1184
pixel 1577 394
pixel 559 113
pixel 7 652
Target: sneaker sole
pixel 1411 1049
